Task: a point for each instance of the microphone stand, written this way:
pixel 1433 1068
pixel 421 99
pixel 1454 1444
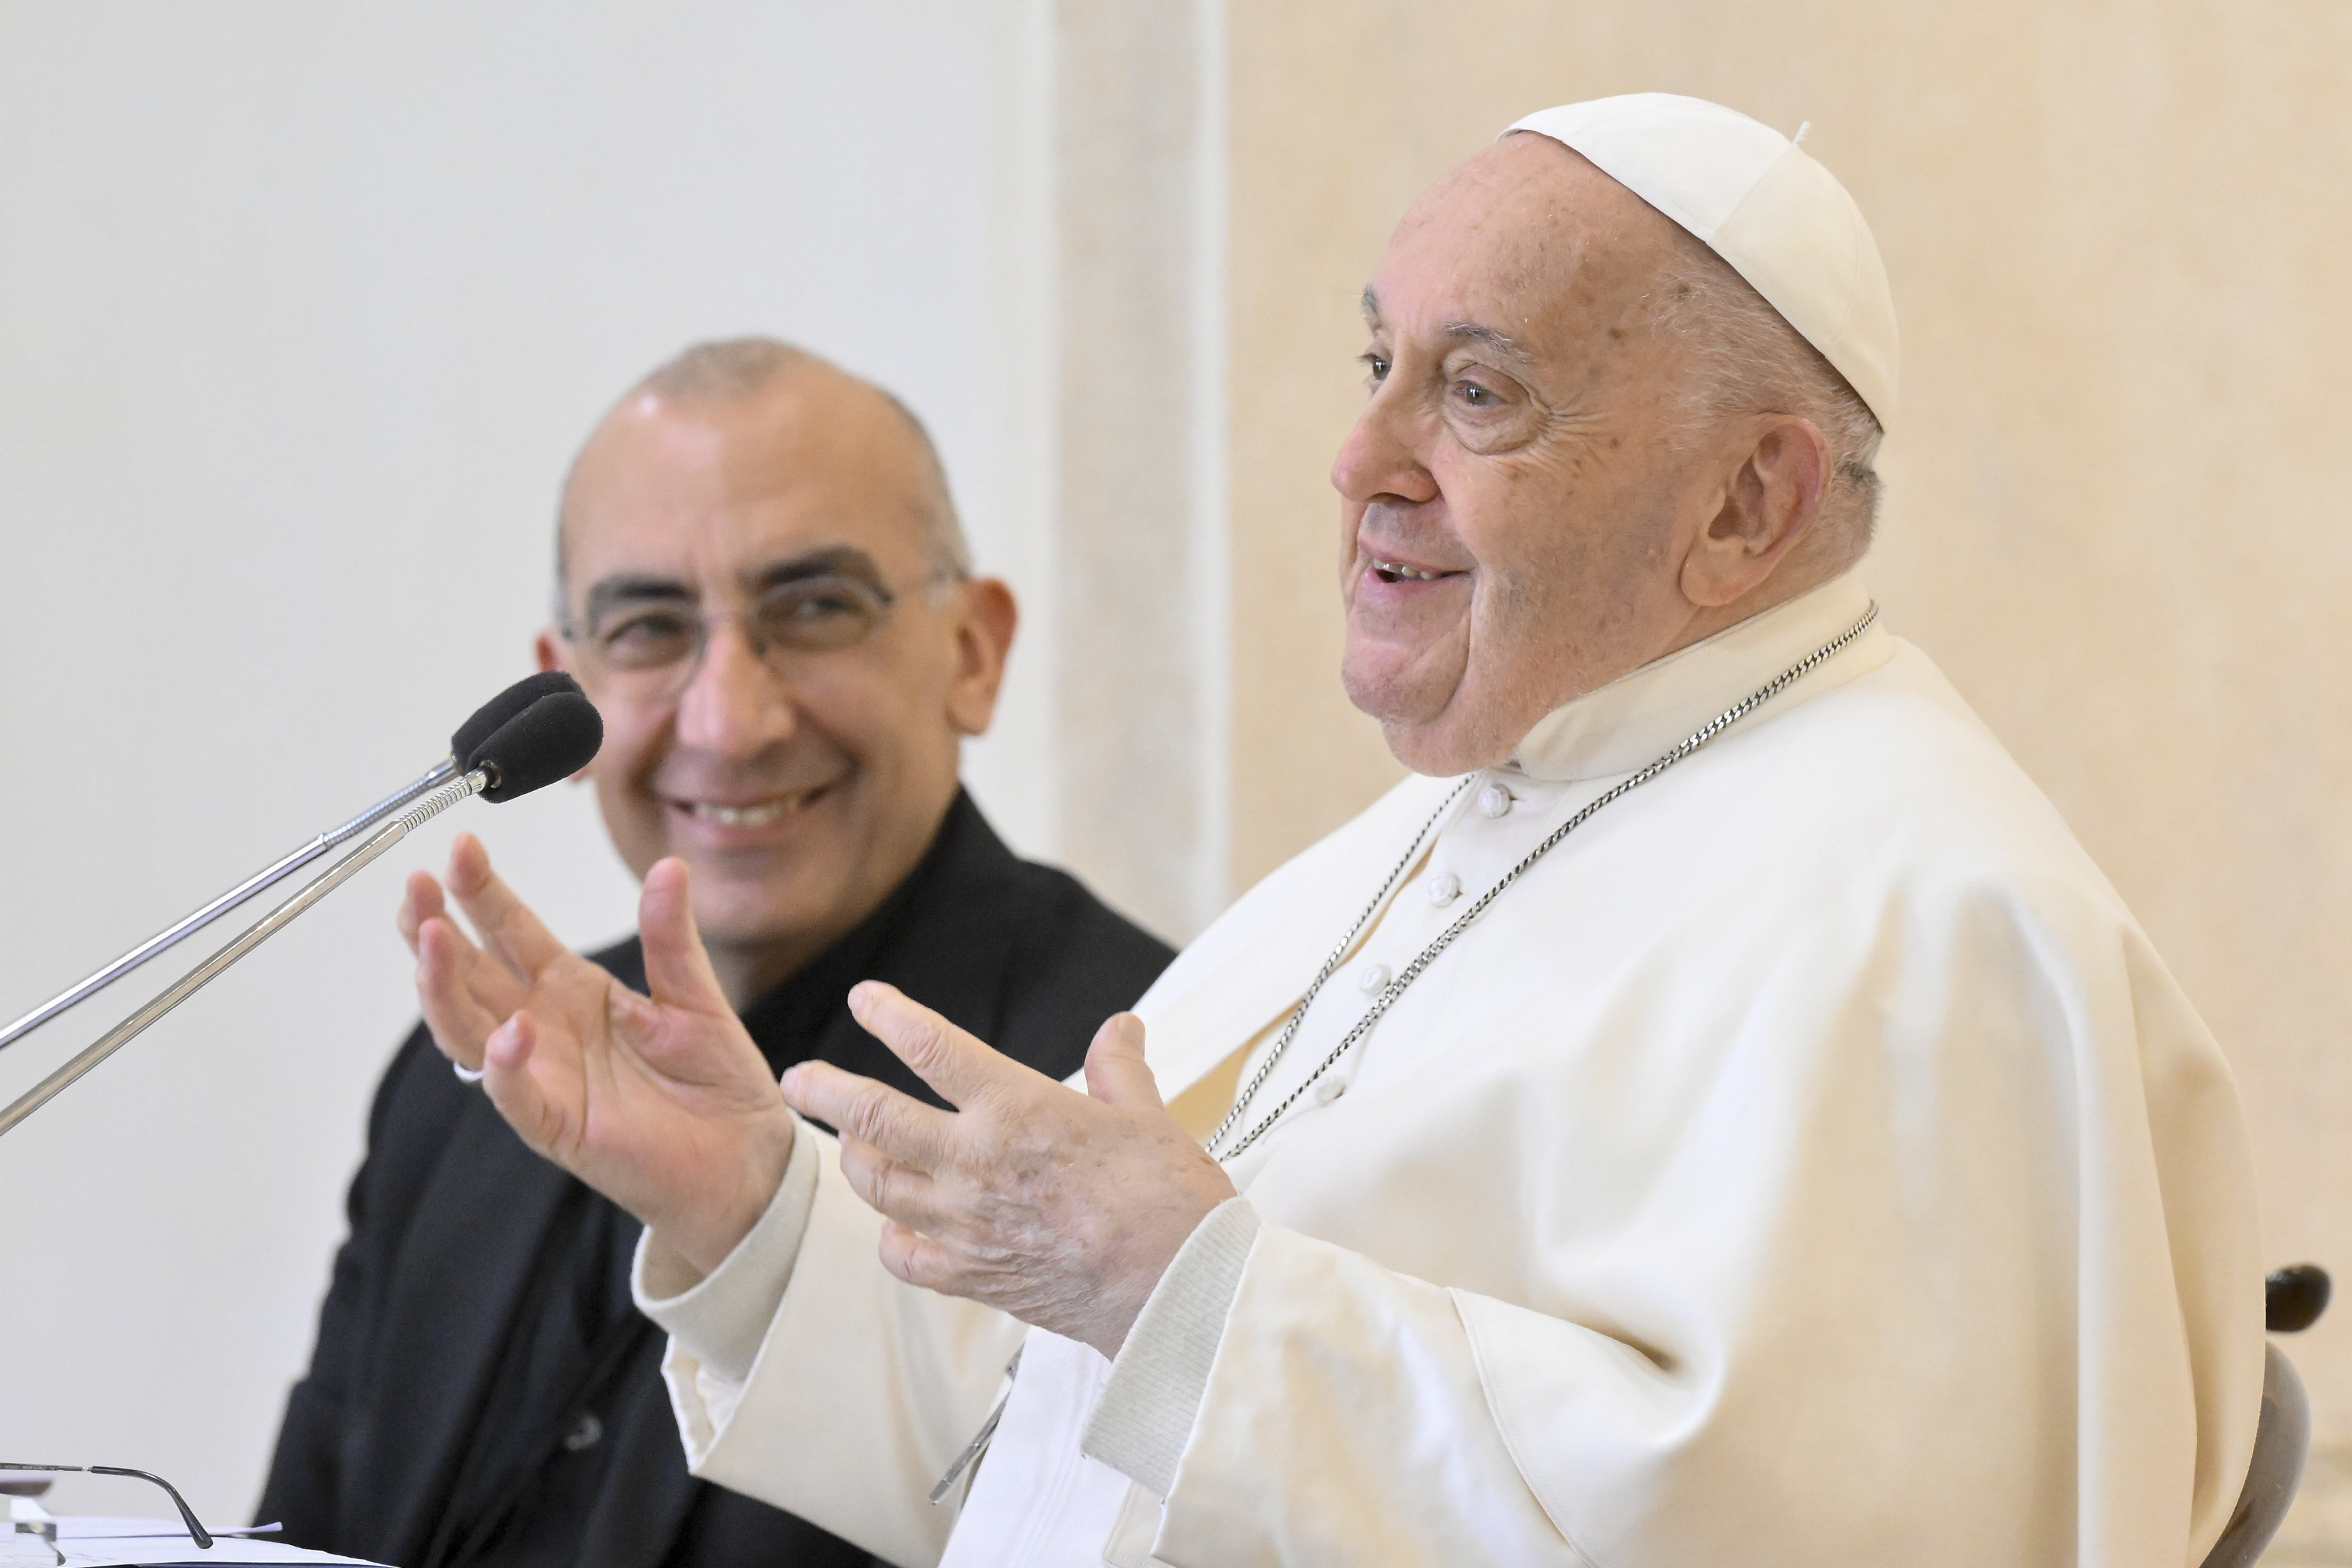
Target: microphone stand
pixel 334 838
pixel 432 805
pixel 526 738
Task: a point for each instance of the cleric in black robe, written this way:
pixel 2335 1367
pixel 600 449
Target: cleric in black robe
pixel 482 1389
pixel 764 588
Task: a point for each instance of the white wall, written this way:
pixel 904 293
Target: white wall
pixel 302 309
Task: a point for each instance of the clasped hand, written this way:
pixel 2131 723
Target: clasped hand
pixel 1063 1209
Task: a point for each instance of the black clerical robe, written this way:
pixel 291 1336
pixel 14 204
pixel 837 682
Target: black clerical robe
pixel 482 1392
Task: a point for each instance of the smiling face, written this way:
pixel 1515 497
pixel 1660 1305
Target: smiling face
pixel 800 773
pixel 1521 493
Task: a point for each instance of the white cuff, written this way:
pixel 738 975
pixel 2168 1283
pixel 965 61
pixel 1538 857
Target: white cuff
pixel 1145 1416
pixel 723 1319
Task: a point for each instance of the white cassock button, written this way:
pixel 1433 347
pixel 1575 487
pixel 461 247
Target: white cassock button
pixel 1374 979
pixel 1329 1089
pixel 1495 800
pixel 1443 889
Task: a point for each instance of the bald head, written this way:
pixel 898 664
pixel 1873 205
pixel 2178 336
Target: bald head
pixel 765 380
pixel 763 591
pixel 1583 450
pixel 731 368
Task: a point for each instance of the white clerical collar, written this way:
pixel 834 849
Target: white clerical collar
pixel 1636 717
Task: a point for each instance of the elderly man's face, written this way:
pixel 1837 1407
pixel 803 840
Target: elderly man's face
pixel 799 770
pixel 1515 503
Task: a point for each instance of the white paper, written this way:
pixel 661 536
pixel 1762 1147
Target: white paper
pixel 97 1541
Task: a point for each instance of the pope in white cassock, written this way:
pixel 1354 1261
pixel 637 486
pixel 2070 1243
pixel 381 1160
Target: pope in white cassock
pixel 1714 1114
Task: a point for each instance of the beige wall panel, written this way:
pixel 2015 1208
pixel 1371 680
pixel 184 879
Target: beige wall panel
pixel 2121 246
pixel 1126 136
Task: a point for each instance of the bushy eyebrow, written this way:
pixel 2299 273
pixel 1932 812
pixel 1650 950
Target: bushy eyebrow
pixel 625 588
pixel 1501 342
pixel 1495 338
pixel 840 560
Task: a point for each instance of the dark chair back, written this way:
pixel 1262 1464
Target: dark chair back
pixel 2279 1447
pixel 2293 1300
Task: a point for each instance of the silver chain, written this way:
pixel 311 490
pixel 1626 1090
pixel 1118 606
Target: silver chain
pixel 1428 955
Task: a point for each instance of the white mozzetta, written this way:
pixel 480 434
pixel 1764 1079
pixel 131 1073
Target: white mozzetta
pixel 1808 1161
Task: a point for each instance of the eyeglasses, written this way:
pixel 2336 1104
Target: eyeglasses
pixel 647 647
pixel 196 1530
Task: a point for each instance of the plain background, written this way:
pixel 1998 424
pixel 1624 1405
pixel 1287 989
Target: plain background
pixel 303 309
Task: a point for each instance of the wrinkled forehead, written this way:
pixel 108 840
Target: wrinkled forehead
pixel 718 494
pixel 1527 238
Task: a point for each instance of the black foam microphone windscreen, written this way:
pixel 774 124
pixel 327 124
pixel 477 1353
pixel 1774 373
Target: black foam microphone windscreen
pixel 555 736
pixel 465 745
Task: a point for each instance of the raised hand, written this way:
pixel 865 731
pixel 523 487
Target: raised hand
pixel 1061 1208
pixel 477 993
pixel 661 1104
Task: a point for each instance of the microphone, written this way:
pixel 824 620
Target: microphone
pixel 552 738
pixel 465 746
pixel 555 730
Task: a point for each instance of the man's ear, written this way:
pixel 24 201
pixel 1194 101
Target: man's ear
pixel 1772 500
pixel 553 653
pixel 985 618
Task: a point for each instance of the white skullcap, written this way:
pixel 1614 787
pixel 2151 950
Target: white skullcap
pixel 1758 200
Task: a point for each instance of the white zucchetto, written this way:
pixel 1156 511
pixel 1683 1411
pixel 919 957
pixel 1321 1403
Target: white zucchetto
pixel 1758 200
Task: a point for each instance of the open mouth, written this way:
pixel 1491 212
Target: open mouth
pixel 752 813
pixel 1394 571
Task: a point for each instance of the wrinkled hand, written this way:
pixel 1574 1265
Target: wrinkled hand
pixel 1061 1208
pixel 661 1104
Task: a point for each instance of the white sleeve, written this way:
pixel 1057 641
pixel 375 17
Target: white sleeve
pixel 1153 1394
pixel 861 1392
pixel 1345 1422
pixel 721 1317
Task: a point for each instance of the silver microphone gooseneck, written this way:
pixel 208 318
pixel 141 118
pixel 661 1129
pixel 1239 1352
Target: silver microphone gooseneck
pixel 536 732
pixel 253 935
pixel 163 941
pixel 489 721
